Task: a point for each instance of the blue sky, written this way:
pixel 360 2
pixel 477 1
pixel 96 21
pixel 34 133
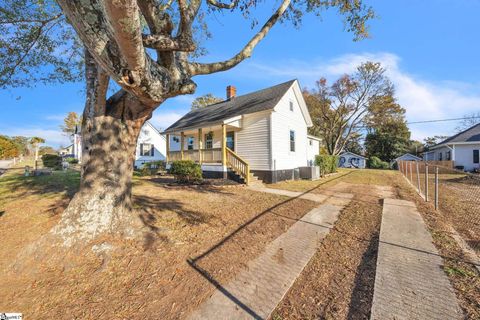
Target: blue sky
pixel 430 49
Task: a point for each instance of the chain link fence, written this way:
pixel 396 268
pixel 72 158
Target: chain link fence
pixel 456 194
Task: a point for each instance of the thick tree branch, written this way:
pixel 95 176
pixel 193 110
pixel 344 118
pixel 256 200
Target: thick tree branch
pixel 166 43
pixel 246 52
pixel 222 5
pixel 124 17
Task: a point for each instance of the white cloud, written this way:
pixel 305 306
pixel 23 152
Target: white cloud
pixel 423 99
pixel 163 119
pixel 55 117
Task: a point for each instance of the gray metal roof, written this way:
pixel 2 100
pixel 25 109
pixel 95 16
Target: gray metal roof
pixel 472 134
pixel 257 101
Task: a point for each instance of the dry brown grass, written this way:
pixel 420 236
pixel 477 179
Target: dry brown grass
pixel 150 279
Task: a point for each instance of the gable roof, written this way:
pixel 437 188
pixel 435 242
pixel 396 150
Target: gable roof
pixel 154 129
pixel 357 155
pixel 408 155
pixel 471 134
pixel 262 100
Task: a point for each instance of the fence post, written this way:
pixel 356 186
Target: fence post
pixel 436 188
pixel 411 171
pixel 418 178
pixel 426 182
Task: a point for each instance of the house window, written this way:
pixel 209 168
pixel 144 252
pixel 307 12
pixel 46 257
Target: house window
pixel 448 155
pixel 291 105
pixel 230 140
pixel 476 156
pixel 190 141
pixel 440 156
pixel 146 150
pixel 292 141
pixel 209 140
pixel 176 139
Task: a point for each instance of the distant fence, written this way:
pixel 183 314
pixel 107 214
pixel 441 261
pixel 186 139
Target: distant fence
pixel 445 164
pixel 456 194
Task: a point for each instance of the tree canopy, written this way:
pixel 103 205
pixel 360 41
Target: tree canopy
pixel 71 121
pixel 204 101
pixel 340 110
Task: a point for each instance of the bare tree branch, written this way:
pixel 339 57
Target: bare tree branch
pixel 246 52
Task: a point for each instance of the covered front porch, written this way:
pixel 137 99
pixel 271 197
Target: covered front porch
pixel 212 146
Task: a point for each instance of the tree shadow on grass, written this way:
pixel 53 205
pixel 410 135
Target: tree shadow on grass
pixel 150 211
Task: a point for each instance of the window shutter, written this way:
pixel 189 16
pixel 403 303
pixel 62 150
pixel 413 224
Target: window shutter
pixel 152 150
pixel 141 149
pixel 476 156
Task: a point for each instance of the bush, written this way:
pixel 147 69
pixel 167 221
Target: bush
pixel 327 163
pixel 152 168
pixel 52 161
pixel 71 160
pixel 376 163
pixel 186 171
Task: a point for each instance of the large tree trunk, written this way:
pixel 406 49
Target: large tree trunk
pixel 110 130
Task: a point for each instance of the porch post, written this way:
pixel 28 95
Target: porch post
pixel 182 144
pixel 200 146
pixel 224 145
pixel 167 156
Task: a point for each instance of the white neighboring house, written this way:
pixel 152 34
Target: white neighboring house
pixel 151 145
pixel 67 150
pixel 463 149
pixel 265 130
pixel 352 160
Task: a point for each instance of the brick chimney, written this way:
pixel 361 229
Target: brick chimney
pixel 231 92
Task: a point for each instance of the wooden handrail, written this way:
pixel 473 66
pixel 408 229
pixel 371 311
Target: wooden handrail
pixel 238 164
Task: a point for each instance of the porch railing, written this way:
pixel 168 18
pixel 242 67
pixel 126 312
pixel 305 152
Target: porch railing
pixel 213 155
pixel 238 164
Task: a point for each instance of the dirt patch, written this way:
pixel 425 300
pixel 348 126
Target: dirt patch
pixel 338 281
pixel 220 229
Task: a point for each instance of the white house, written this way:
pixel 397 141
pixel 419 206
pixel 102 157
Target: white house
pixel 352 160
pixel 462 148
pixel 66 150
pixel 263 133
pixel 151 145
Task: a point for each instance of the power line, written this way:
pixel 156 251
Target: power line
pixel 443 120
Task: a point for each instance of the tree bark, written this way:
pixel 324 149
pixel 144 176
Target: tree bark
pixel 110 130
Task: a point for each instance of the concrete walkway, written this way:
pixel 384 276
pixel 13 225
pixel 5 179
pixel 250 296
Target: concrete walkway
pixel 255 292
pixel 410 283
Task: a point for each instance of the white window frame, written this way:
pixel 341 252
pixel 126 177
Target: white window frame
pixel 209 141
pixel 190 143
pixel 151 151
pixel 294 141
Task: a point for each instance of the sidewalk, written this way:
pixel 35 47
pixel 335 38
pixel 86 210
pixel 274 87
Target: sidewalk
pixel 255 292
pixel 410 282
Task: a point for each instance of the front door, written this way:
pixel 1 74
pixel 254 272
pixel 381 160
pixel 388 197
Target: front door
pixel 231 140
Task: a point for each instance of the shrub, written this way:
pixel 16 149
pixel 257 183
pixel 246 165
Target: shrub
pixel 152 168
pixel 52 161
pixel 376 163
pixel 186 171
pixel 327 163
pixel 71 160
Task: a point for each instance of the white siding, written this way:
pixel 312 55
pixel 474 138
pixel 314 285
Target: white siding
pixel 464 156
pixel 283 120
pixel 313 148
pixel 253 140
pixel 152 136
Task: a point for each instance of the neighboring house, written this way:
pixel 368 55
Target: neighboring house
pixel 151 145
pixel 407 157
pixel 67 150
pixel 462 148
pixel 351 160
pixel 263 132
